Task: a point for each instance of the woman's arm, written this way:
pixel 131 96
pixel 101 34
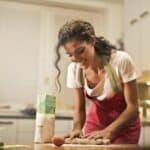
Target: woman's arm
pixel 131 98
pixel 127 72
pixel 79 110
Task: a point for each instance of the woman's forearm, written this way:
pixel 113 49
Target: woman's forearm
pixel 79 109
pixel 124 119
pixel 79 119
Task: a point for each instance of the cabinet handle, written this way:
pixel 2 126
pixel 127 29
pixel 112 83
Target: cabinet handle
pixel 6 122
pixel 133 21
pixel 144 14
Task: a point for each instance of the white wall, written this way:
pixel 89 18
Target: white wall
pixel 28 36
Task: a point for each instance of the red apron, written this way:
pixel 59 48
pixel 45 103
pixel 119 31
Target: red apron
pixel 103 113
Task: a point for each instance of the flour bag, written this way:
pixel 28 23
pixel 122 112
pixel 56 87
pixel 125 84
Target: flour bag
pixel 45 118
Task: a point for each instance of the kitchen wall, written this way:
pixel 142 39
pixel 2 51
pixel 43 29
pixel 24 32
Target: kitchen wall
pixel 28 35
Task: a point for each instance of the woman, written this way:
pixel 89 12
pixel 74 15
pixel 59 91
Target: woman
pixel 105 76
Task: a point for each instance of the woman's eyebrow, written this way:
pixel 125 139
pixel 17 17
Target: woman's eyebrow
pixel 76 50
pixel 81 47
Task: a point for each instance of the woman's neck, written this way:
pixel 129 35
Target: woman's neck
pixel 96 63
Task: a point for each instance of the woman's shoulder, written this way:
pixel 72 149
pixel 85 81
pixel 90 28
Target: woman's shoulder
pixel 124 64
pixel 118 57
pixel 74 68
pixel 73 75
pixel 119 53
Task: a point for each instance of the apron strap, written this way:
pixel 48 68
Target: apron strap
pixel 110 74
pixel 81 77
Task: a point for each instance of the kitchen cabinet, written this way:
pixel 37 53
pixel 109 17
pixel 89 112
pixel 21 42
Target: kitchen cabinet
pixel 137 32
pixel 8 131
pixel 146 130
pixel 25 131
pixel 22 130
pixel 19 46
pixel 63 126
pixel 17 131
pixel 141 141
pixel 132 33
pixel 145 33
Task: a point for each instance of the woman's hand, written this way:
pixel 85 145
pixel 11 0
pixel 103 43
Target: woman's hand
pixel 74 134
pixel 104 134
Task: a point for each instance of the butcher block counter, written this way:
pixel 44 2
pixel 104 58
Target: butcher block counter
pixel 89 147
pixel 74 147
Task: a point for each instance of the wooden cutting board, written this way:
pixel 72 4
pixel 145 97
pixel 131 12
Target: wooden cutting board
pixel 88 147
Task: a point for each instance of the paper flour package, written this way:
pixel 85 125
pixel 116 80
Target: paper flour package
pixel 45 118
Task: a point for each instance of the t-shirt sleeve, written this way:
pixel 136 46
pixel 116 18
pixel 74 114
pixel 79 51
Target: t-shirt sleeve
pixel 72 80
pixel 127 68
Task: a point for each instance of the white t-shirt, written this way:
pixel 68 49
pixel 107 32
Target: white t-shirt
pixel 123 70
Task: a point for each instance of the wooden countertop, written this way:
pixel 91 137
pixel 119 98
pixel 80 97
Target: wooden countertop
pixel 75 147
pixel 89 147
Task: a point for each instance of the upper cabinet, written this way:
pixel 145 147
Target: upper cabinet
pixel 145 33
pixel 137 32
pixel 19 47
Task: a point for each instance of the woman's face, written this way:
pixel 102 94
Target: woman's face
pixel 81 52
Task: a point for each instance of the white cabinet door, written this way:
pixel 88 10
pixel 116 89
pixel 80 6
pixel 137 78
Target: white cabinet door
pixel 25 138
pixel 146 135
pixel 133 31
pixel 137 32
pixel 19 45
pixel 145 34
pixel 8 131
pixel 63 126
pixel 141 141
pixel 25 131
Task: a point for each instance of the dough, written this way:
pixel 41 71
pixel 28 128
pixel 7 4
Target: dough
pixel 87 141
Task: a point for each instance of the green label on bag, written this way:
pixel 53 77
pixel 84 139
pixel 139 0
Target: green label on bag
pixel 46 104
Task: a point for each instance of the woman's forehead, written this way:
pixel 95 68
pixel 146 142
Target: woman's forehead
pixel 73 44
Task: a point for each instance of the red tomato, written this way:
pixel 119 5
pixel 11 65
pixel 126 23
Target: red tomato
pixel 58 141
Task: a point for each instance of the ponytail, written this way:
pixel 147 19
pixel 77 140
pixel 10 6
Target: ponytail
pixel 103 47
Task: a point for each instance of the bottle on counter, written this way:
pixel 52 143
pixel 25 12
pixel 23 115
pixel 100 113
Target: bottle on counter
pixel 45 118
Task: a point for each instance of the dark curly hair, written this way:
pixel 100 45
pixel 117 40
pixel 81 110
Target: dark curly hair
pixel 79 30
